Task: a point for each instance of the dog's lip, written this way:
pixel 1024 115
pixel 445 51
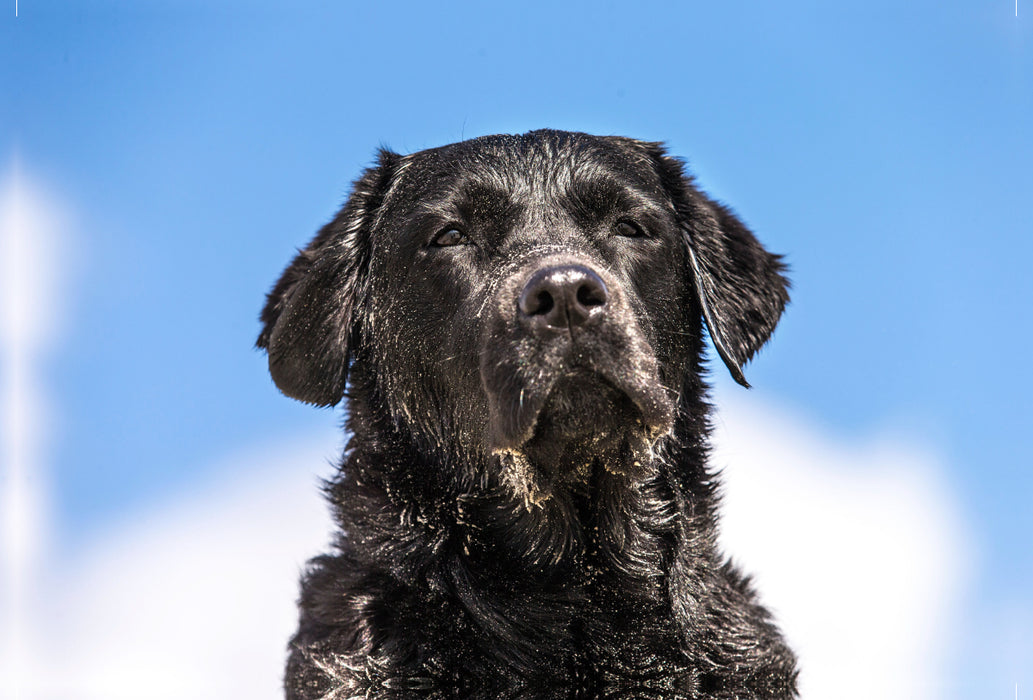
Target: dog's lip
pixel 517 428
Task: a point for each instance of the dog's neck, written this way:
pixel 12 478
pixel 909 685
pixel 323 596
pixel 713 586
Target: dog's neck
pixel 614 568
pixel 391 487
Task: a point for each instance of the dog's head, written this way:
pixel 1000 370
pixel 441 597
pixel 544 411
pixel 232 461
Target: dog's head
pixel 538 299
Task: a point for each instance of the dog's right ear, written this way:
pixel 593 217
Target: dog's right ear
pixel 307 322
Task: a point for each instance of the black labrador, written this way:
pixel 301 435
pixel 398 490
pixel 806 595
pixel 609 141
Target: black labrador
pixel 525 507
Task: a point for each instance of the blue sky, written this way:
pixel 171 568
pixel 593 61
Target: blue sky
pixel 885 148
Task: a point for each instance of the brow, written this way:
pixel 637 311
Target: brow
pixel 591 199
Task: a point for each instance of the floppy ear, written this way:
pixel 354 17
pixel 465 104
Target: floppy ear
pixel 308 327
pixel 740 286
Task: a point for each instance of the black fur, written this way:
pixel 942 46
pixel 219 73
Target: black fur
pixel 525 508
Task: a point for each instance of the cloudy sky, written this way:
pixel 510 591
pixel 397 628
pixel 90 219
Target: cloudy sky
pixel 160 163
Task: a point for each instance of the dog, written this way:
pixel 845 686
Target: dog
pixel 524 505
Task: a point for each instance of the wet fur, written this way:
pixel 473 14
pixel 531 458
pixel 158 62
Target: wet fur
pixel 490 545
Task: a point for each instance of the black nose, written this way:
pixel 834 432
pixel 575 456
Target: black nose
pixel 563 296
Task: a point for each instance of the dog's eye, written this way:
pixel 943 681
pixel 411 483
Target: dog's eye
pixel 628 229
pixel 450 236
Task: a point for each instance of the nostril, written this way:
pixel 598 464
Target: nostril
pixel 545 302
pixel 590 294
pixel 536 302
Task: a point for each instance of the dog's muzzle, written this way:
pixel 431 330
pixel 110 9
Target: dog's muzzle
pixel 564 358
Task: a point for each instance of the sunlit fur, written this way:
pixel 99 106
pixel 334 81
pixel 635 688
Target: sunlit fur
pixel 525 514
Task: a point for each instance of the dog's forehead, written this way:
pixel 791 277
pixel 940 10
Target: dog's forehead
pixel 537 166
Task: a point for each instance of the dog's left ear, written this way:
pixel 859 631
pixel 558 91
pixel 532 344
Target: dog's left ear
pixel 308 327
pixel 740 286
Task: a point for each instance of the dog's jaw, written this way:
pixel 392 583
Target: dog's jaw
pixel 585 421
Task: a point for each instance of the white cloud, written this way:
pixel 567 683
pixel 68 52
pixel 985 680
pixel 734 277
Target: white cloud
pixel 31 226
pixel 858 547
pixel 194 598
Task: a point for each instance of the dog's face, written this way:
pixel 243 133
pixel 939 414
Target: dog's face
pixel 534 299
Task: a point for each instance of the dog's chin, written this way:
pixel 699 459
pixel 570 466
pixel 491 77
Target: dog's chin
pixel 584 421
